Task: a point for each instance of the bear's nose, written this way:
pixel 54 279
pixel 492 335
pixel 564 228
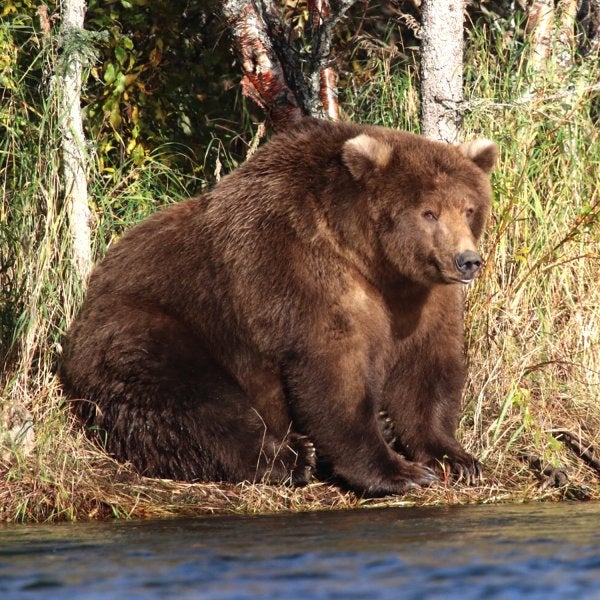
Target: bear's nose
pixel 468 263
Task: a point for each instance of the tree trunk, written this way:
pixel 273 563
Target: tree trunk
pixel 565 35
pixel 540 25
pixel 320 12
pixel 286 74
pixel 441 69
pixel 551 27
pixel 594 27
pixel 263 78
pixel 73 143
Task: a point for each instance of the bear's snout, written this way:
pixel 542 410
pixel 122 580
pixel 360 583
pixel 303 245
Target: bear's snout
pixel 468 263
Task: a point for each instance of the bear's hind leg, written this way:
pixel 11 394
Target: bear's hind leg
pixel 159 401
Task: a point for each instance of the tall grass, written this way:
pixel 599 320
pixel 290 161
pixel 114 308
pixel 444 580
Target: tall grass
pixel 532 318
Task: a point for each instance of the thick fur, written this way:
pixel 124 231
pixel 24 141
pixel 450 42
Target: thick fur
pixel 315 287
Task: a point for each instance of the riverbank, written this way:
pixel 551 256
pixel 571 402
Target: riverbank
pixel 62 476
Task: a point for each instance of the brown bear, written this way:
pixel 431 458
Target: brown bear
pixel 316 288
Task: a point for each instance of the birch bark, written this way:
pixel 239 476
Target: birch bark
pixel 540 26
pixel 552 31
pixel 442 69
pixel 73 143
pixel 264 79
pixel 594 27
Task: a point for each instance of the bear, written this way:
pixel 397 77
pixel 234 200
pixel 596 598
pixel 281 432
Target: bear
pixel 302 319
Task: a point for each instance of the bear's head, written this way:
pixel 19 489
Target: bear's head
pixel 427 201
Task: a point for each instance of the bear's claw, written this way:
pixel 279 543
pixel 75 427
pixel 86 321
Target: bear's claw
pixel 466 469
pixel 305 463
pixel 386 425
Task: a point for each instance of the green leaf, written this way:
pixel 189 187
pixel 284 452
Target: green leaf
pixel 115 116
pixel 121 55
pixel 110 73
pixel 121 83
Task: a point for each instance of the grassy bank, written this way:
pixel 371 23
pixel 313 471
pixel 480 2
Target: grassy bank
pixel 532 320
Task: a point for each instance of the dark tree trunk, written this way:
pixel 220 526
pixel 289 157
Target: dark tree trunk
pixel 287 75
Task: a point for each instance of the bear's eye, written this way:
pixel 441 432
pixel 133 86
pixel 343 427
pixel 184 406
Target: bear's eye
pixel 470 212
pixel 430 215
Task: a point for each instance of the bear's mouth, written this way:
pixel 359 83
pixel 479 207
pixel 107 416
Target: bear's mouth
pixel 444 276
pixel 463 280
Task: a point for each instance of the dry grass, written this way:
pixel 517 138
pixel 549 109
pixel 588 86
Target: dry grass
pixel 63 476
pixel 533 318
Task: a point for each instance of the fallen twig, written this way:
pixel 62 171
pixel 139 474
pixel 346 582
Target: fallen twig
pixel 581 447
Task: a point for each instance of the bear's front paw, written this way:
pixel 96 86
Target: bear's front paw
pixel 417 475
pixel 291 461
pixel 407 476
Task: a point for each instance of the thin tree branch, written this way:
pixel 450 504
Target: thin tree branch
pixel 581 447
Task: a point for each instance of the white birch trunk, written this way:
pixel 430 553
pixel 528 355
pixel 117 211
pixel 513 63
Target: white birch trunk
pixel 540 26
pixel 442 69
pixel 594 30
pixel 565 35
pixel 73 142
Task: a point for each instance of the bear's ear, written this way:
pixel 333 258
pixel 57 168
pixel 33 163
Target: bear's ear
pixel 363 153
pixel 482 152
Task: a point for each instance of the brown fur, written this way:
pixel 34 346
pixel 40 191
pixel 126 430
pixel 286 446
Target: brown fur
pixel 314 287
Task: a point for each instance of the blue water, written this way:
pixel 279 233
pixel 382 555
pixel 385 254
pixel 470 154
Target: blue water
pixel 523 551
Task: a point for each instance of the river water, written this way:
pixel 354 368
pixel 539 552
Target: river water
pixel 504 551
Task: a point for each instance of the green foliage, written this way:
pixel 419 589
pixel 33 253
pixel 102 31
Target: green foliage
pixel 164 75
pixel 38 288
pixel 29 204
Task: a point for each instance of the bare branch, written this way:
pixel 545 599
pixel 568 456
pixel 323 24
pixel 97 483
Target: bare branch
pixel 581 447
